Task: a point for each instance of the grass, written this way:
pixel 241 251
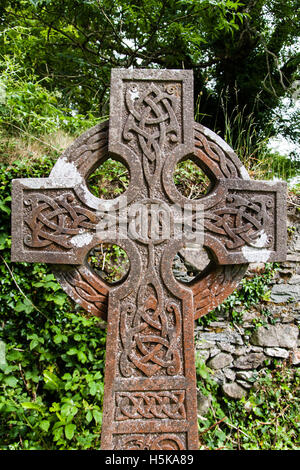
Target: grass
pixel 23 148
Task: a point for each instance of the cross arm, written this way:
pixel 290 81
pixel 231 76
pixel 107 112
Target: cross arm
pixel 246 221
pixel 50 223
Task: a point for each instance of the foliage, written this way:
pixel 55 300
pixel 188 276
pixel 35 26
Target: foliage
pixel 268 419
pixel 244 50
pixel 296 190
pixel 252 147
pixel 109 261
pixel 252 290
pixel 190 180
pixel 276 165
pixel 52 381
pixel 29 108
pixel 55 65
pixel 109 180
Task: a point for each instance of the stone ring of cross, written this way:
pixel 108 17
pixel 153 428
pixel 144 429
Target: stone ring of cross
pixel 150 381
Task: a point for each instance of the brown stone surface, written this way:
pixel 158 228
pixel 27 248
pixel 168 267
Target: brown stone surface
pixel 150 383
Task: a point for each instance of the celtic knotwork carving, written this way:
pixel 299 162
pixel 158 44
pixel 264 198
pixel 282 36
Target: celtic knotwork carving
pixel 148 335
pixel 242 220
pixel 86 288
pixel 152 119
pixel 150 405
pixel 85 152
pixel 153 442
pixel 221 163
pixel 55 220
pixel 216 286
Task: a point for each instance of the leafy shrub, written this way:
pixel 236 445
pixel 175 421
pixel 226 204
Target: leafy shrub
pixel 109 180
pixel 190 180
pixel 268 419
pixel 52 380
pixel 29 108
pixel 109 261
pixel 252 291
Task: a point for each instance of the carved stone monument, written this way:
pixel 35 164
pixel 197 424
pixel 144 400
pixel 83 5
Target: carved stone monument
pixel 150 383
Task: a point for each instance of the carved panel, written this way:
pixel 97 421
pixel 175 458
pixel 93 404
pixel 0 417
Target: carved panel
pixel 54 219
pixel 243 219
pixel 151 125
pixel 165 441
pixel 150 405
pixel 50 222
pixel 89 149
pixel 150 332
pixel 243 226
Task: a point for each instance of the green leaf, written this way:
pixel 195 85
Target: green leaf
pixel 59 299
pixel 68 410
pixel 69 430
pixel 33 343
pixel 25 306
pixel 3 206
pixel 93 387
pixel 52 382
pixel 81 356
pixel 11 381
pixel 97 416
pixel 44 425
pixel 57 433
pixel 29 405
pixel 3 240
pixel 257 411
pixel 59 338
pixel 89 416
pixel 72 351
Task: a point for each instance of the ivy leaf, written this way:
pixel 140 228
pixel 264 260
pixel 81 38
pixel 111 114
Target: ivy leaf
pixel 25 306
pixel 60 338
pixel 44 425
pixel 93 387
pixel 32 406
pixel 68 410
pixel 60 299
pixel 3 206
pixel 69 430
pixel 257 411
pixel 57 433
pixel 52 382
pixel 81 356
pixel 97 416
pixel 11 381
pixel 3 240
pixel 89 416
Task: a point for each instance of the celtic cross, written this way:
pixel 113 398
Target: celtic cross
pixel 150 381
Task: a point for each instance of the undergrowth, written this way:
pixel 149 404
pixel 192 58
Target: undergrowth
pixel 267 419
pixel 51 379
pixel 252 290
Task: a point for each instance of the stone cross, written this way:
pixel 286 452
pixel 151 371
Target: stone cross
pixel 150 381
